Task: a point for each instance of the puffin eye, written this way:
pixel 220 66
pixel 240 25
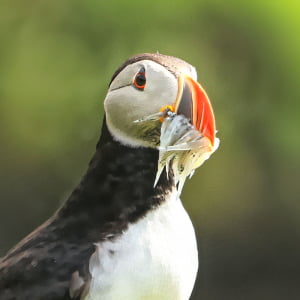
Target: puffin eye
pixel 140 80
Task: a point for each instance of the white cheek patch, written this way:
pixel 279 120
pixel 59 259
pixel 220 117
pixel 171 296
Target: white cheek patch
pixel 124 103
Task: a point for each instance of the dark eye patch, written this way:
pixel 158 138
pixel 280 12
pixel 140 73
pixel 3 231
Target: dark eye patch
pixel 139 81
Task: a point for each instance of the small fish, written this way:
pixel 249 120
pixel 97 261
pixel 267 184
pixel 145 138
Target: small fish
pixel 182 148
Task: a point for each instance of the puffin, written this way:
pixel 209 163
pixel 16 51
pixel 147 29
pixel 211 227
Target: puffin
pixel 123 232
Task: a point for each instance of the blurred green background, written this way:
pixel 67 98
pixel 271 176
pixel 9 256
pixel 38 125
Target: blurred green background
pixel 56 60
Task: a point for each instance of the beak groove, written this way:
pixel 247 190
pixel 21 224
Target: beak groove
pixel 193 103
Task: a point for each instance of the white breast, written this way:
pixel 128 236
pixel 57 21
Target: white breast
pixel 156 258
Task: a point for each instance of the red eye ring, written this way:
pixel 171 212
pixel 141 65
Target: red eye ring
pixel 140 80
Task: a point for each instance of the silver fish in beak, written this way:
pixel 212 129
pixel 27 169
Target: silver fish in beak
pixel 188 134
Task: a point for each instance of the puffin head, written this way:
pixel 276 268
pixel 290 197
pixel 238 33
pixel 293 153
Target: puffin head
pixel 146 84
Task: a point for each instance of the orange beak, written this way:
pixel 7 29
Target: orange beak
pixel 193 103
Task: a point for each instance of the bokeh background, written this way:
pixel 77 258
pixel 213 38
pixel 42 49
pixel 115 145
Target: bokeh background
pixel 56 60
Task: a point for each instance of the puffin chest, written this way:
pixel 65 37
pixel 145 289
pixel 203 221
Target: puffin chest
pixel 156 258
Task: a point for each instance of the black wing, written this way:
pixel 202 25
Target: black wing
pixel 46 266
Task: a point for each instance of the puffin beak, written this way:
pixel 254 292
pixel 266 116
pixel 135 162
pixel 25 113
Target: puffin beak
pixel 193 103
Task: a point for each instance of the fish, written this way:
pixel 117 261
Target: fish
pixel 182 147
